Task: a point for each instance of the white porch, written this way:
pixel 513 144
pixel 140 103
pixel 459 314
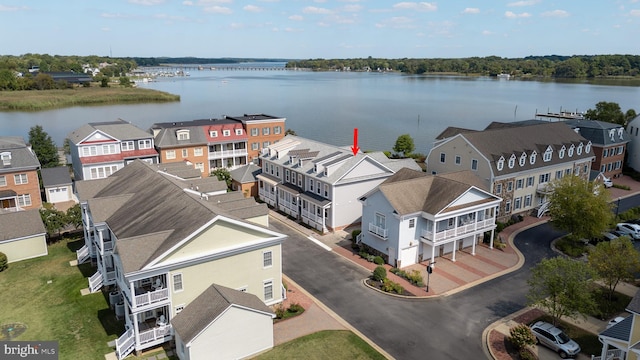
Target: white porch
pixel 144 330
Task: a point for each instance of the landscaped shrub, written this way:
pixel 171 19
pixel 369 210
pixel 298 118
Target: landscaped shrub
pixel 390 286
pixel 521 336
pixel 414 277
pixel 295 308
pixel 4 262
pixel 378 260
pixel 354 234
pixel 280 310
pixel 379 273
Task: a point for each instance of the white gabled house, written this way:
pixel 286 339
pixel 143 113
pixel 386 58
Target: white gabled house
pixel 413 217
pixel 159 245
pixel 622 340
pixel 319 184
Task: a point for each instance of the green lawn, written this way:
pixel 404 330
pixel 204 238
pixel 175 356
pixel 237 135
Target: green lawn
pixel 56 311
pixel 334 345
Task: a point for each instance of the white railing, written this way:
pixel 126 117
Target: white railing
pixel 267 195
pixel 151 297
pixel 125 344
pixel 311 216
pixel 284 292
pixel 157 333
pixel 616 354
pixel 288 205
pixel 95 282
pixel 543 208
pixel 83 254
pixel 110 276
pixel 106 246
pixel 460 230
pixel 377 230
pixel 227 153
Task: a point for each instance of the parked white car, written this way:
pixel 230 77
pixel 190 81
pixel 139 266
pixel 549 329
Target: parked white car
pixel 633 230
pixel 555 339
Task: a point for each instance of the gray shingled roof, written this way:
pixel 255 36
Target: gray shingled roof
pixel 598 131
pixel 634 305
pixel 22 157
pixel 119 129
pixel 245 174
pixel 55 176
pixel 18 224
pixel 620 331
pixel 503 142
pixel 410 191
pixel 180 169
pixel 209 305
pixel 167 137
pixel 452 131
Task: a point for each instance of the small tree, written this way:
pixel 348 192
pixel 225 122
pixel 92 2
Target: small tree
pixel 379 273
pixel 4 262
pixel 223 175
pixel 561 287
pixel 44 147
pixel 609 112
pixel 290 132
pixel 54 220
pixel 104 82
pixel 73 216
pixel 404 144
pixel 124 81
pixel 615 261
pixel 579 209
pixel 521 336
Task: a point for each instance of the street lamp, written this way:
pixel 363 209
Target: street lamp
pixel 429 271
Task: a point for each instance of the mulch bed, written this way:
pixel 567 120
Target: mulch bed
pixel 503 349
pixel 378 285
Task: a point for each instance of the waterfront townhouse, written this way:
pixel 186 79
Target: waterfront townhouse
pixel 262 130
pixel 319 184
pixel 518 161
pixel 227 140
pixel 159 243
pixel 413 217
pixel 633 147
pixel 182 142
pixel 100 149
pixel 19 185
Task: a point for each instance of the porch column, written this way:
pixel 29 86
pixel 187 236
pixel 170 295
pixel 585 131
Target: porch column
pixel 455 248
pixel 605 348
pixel 473 246
pixel 491 240
pixel 132 293
pixel 433 256
pixel 136 329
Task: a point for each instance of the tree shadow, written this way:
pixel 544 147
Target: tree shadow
pixel 74 246
pixel 502 308
pixel 111 324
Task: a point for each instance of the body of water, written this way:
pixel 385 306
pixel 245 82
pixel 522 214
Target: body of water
pixel 327 106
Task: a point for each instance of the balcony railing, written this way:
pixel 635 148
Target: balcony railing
pixel 155 334
pixel 611 354
pixel 288 205
pixel 377 230
pixel 311 216
pixel 458 231
pixel 227 153
pixel 95 282
pixel 125 344
pixel 150 297
pixel 83 254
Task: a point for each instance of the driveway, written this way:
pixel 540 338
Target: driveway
pixel 443 328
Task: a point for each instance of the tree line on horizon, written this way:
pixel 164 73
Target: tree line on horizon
pixel 555 66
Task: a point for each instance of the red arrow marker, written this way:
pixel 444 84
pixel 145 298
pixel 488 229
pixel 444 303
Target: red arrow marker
pixel 355 147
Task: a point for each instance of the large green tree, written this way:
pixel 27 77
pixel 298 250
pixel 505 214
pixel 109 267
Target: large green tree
pixel 562 287
pixel 223 175
pixel 610 112
pixel 615 261
pixel 579 207
pixel 44 147
pixel 404 145
pixel 54 220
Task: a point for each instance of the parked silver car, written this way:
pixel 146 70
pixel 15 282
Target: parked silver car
pixel 555 339
pixel 633 230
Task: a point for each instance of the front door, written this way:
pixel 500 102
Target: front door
pixel 392 256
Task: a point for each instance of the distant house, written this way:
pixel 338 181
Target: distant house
pixel 57 184
pixel 244 179
pixel 23 235
pixel 235 323
pixel 100 149
pixel 70 77
pixel 319 184
pixel 19 183
pixel 412 216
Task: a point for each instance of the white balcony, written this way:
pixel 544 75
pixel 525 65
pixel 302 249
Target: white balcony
pixel 150 297
pixel 311 216
pixel 475 227
pixel 223 154
pixel 158 334
pixel 378 231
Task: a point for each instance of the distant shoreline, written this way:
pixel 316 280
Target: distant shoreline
pixel 40 100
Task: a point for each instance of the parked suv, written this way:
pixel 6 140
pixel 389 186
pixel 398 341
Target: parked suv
pixel 633 230
pixel 555 339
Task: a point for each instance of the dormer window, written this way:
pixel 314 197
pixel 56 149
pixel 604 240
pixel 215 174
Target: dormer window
pixel 561 152
pixel 183 134
pixel 213 133
pixel 523 159
pixel 226 132
pixel 548 154
pixel 500 164
pixel 6 158
pixel 315 168
pixel 532 158
pixel 512 161
pixel 570 152
pixel 587 149
pixel 579 150
pixel 238 131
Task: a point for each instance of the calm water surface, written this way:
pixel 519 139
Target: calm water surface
pixel 327 106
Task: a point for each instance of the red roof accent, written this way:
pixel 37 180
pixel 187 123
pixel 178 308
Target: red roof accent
pixel 224 139
pixel 118 157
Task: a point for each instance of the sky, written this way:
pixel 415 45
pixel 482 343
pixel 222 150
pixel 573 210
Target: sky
pixel 304 29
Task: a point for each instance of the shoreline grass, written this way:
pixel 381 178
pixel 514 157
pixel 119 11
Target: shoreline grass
pixel 39 100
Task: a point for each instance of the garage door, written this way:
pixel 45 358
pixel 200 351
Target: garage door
pixel 409 256
pixel 57 195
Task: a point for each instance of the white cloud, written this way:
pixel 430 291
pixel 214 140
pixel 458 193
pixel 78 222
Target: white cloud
pixel 105 29
pixel 555 13
pixel 315 10
pixel 524 3
pixel 252 8
pixel 487 32
pixel 236 25
pixel 296 17
pixel 471 11
pixel 218 10
pixel 352 8
pixel 187 3
pixel 396 22
pixel 115 16
pixel 146 2
pixel 416 6
pixel 634 12
pixel 512 15
pixel 12 8
pixel 320 1
pixel 289 29
pixel 322 24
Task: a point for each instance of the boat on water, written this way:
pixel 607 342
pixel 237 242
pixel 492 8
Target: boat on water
pixel 503 76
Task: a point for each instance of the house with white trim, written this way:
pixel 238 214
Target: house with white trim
pixel 159 243
pixel 413 217
pixel 518 161
pixel 622 340
pixel 319 184
pixel 100 149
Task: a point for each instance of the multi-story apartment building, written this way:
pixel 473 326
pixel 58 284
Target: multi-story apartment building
pixel 160 243
pixel 19 185
pixel 262 130
pixel 100 149
pixel 319 184
pixel 182 142
pixel 518 161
